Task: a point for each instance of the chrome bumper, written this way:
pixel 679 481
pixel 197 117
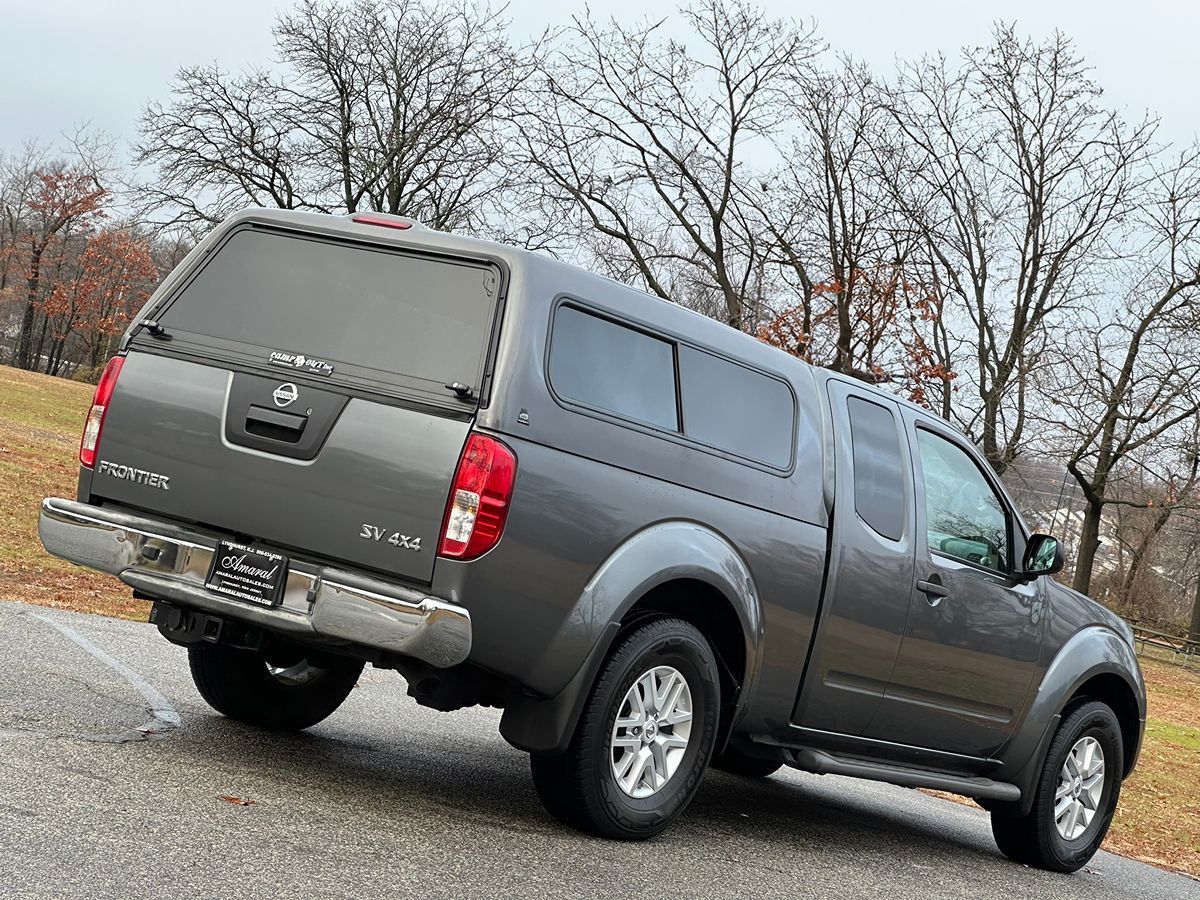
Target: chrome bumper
pixel 172 563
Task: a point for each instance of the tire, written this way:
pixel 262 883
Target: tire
pixel 580 786
pixel 287 694
pixel 1036 839
pixel 736 762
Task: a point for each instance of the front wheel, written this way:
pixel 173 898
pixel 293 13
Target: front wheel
pixel 282 690
pixel 1076 795
pixel 644 738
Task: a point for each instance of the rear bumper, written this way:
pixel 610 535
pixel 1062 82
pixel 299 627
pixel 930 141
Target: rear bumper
pixel 171 563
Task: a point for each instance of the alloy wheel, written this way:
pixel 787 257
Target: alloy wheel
pixel 1080 788
pixel 650 735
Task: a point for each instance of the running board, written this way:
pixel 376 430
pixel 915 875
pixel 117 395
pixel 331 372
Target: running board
pixel 821 763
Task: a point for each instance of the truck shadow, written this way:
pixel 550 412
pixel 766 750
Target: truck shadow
pixel 474 779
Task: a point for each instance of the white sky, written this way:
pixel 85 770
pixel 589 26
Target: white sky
pixel 65 62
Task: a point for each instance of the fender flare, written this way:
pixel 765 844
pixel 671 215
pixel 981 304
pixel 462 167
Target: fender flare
pixel 662 553
pixel 1091 651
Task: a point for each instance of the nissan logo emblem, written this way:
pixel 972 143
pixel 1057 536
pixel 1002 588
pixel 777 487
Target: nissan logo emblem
pixel 285 394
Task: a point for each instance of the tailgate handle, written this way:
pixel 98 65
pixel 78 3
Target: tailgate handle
pixel 275 425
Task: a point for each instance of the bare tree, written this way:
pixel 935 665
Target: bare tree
pixel 1128 384
pixel 1179 494
pixel 18 182
pixel 392 105
pixel 223 142
pixel 64 198
pixel 937 350
pixel 827 217
pixel 644 141
pixel 866 301
pixel 1017 176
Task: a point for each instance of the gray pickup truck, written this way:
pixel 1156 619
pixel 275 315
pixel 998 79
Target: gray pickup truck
pixel 657 543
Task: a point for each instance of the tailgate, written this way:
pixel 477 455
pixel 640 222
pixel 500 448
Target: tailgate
pixel 310 391
pixel 374 492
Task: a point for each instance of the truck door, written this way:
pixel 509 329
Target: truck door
pixel 866 600
pixel 971 645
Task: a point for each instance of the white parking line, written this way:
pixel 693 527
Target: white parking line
pixel 160 707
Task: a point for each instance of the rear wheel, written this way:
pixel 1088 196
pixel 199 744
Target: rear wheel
pixel 1075 798
pixel 643 740
pixel 282 690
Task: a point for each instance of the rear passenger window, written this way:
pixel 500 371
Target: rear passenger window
pixel 878 467
pixel 735 409
pixel 608 366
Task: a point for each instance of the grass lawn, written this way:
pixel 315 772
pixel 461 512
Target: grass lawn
pixel 1158 818
pixel 40 421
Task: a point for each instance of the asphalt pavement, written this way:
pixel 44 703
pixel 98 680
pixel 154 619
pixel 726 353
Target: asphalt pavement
pixel 116 780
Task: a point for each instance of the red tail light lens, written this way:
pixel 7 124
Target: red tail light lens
pixel 478 505
pixel 95 418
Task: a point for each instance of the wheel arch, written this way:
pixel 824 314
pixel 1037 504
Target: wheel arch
pixel 676 568
pixel 703 605
pixel 1095 663
pixel 1115 692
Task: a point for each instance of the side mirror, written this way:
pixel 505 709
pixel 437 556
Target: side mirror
pixel 1043 556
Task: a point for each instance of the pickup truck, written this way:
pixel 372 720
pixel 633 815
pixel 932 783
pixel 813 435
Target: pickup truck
pixel 655 542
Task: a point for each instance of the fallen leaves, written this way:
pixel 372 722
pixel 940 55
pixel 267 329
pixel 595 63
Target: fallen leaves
pixel 236 801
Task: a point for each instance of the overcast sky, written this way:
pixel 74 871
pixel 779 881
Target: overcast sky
pixel 65 62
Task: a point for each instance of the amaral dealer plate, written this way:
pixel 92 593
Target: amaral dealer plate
pixel 245 573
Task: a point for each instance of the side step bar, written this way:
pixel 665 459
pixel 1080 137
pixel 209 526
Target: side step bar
pixel 821 763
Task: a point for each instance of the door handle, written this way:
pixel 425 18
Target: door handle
pixel 933 590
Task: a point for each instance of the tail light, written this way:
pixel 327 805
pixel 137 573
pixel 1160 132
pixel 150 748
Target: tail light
pixel 95 417
pixel 478 504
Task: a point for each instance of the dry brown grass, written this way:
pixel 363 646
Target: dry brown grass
pixel 1158 819
pixel 40 420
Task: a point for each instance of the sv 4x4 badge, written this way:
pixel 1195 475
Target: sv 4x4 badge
pixel 403 541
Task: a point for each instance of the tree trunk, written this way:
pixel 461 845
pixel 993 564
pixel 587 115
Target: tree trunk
pixel 1194 631
pixel 733 309
pixel 25 341
pixel 40 345
pixel 1139 554
pixel 1089 543
pixel 25 338
pixel 58 350
pixel 845 361
pixel 990 438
